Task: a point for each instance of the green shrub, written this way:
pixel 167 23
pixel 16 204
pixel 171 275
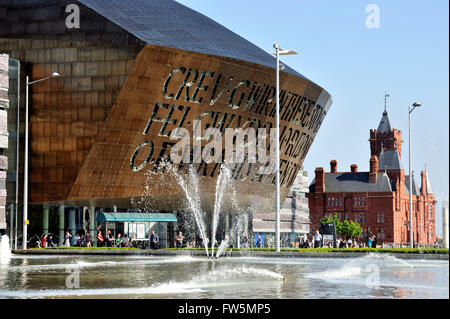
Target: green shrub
pixel 297 250
pixel 341 250
pixel 87 248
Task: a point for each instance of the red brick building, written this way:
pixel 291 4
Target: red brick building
pixel 378 199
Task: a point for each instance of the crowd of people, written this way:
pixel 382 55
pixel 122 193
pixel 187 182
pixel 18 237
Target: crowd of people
pixel 180 241
pixel 85 240
pixel 317 241
pixel 341 242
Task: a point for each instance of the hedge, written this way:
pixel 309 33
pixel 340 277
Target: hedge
pixel 87 248
pixel 341 250
pixel 297 250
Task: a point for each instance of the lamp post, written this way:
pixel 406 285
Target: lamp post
pixel 411 234
pixel 25 182
pixel 278 51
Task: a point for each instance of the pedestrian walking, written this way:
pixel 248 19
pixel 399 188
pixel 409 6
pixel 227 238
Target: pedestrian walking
pixel 343 243
pixel 244 241
pixel 44 241
pixel 374 242
pixel 369 242
pixel 109 239
pixel 50 242
pixel 76 240
pixel 126 241
pixel 317 239
pixel 100 239
pixel 349 243
pixel 119 241
pixel 154 240
pixel 258 242
pixel 67 238
pixel 81 240
pixel 199 241
pixel 179 240
pixel 87 240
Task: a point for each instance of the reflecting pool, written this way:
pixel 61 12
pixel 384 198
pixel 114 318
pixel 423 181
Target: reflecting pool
pixel 369 276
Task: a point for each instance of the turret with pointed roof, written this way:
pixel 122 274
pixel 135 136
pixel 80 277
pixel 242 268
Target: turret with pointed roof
pixel 385 137
pixel 385 124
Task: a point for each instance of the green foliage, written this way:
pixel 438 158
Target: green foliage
pixel 346 228
pixel 338 250
pixel 444 251
pixel 86 248
pixel 356 229
pixel 326 220
pixel 338 225
pixel 351 229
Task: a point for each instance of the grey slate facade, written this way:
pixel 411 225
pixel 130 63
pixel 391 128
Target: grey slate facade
pixel 134 22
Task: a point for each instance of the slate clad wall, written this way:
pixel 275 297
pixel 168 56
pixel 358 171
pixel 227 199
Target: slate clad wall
pixel 4 84
pixel 45 19
pixel 66 112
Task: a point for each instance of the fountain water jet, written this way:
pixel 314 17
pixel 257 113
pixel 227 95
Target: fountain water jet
pixel 222 183
pixel 189 183
pixel 236 227
pixel 193 200
pixel 5 251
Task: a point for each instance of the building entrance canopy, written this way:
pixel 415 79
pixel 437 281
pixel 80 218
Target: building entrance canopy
pixel 136 217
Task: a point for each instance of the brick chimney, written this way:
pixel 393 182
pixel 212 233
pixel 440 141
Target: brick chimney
pixel 333 166
pixel 423 186
pixel 373 169
pixel 320 180
pixel 354 168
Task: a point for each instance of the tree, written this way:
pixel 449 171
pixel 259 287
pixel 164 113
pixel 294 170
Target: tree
pixel 356 229
pixel 338 224
pixel 346 228
pixel 351 229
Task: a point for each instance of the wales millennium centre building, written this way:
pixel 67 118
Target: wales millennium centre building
pixel 130 73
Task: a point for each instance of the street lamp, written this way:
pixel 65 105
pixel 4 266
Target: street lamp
pixel 411 235
pixel 25 182
pixel 278 51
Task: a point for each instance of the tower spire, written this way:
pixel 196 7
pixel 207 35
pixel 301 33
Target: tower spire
pixel 386 95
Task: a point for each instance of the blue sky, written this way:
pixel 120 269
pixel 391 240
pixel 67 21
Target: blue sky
pixel 407 56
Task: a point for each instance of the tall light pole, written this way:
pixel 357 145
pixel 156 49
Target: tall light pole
pixel 278 51
pixel 25 181
pixel 411 234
